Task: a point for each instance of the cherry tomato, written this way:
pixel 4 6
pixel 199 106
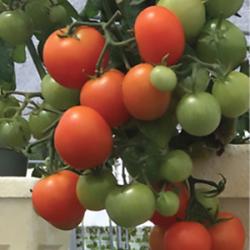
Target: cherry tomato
pixel 159 33
pixel 72 59
pixel 104 94
pixel 229 234
pixel 187 236
pixel 54 199
pixel 156 238
pixel 83 138
pixel 141 98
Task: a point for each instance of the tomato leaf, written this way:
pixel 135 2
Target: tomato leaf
pixel 7 72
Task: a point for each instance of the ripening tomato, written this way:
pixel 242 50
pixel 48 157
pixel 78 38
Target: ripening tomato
pixel 229 234
pixel 104 94
pixel 156 238
pixel 141 98
pixel 159 33
pixel 72 59
pixel 83 138
pixel 187 235
pixel 54 199
pixel 167 221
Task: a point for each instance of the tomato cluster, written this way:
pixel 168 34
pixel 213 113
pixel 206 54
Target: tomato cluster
pixel 151 113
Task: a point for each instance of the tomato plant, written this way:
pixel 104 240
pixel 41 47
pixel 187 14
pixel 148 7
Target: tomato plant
pixel 199 114
pixel 8 106
pixel 57 96
pixel 222 42
pixel 93 188
pixel 156 238
pixel 71 58
pixel 187 236
pixel 141 98
pixel 227 234
pixel 157 40
pixel 104 94
pixel 191 14
pixel 232 94
pixel 83 138
pixel 15 27
pixel 130 205
pixel 54 199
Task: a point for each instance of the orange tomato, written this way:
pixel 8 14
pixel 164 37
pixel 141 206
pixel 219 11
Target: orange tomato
pixel 83 138
pixel 156 238
pixel 158 33
pixel 141 98
pixel 104 94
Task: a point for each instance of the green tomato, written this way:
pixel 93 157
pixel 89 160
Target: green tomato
pixel 39 11
pixel 39 121
pixel 168 203
pixel 210 203
pixel 58 14
pixel 223 8
pixel 93 188
pixel 199 114
pixel 191 14
pixel 15 27
pixel 163 78
pixel 6 105
pixel 177 166
pixel 232 94
pixel 130 205
pixel 14 133
pixel 57 96
pixel 222 42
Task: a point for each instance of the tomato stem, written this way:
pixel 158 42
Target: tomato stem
pixel 101 57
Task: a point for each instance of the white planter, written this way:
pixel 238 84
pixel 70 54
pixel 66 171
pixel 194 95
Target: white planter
pixel 234 165
pixel 20 227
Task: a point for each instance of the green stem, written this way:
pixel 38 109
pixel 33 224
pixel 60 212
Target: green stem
pixel 36 59
pixel 101 57
pixel 28 149
pixel 122 43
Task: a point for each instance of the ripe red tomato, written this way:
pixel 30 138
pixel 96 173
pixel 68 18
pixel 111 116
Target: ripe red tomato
pixel 167 221
pixel 156 238
pixel 229 234
pixel 71 60
pixel 104 94
pixel 158 33
pixel 187 236
pixel 54 199
pixel 83 138
pixel 141 98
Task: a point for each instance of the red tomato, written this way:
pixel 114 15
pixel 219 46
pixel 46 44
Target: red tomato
pixel 71 60
pixel 156 238
pixel 54 199
pixel 83 138
pixel 187 236
pixel 141 98
pixel 104 94
pixel 228 234
pixel 158 33
pixel 166 222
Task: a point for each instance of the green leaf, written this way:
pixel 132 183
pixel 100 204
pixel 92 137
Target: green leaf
pixel 19 54
pixel 7 72
pixel 70 9
pixel 160 131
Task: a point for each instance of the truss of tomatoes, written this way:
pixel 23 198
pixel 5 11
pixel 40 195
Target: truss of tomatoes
pixel 120 111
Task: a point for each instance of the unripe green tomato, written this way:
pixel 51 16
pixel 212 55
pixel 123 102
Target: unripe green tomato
pixel 57 96
pixel 6 105
pixel 210 203
pixel 177 166
pixel 168 203
pixel 163 78
pixel 233 94
pixel 93 188
pixel 58 14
